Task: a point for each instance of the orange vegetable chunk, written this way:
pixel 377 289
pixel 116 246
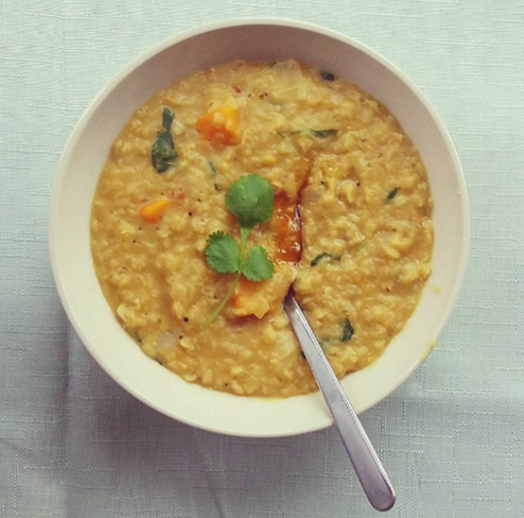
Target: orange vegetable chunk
pixel 220 126
pixel 153 212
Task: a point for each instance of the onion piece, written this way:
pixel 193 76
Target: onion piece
pixel 166 340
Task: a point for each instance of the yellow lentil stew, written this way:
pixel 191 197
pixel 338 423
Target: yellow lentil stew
pixel 347 222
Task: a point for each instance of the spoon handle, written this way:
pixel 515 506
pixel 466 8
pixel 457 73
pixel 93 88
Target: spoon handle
pixel 367 465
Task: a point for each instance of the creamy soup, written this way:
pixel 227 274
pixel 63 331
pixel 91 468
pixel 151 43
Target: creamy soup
pixel 350 230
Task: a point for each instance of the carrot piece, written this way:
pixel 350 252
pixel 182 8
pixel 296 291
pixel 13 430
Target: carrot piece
pixel 220 126
pixel 245 290
pixel 153 212
pixel 251 299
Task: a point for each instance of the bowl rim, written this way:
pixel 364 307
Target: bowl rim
pixel 173 40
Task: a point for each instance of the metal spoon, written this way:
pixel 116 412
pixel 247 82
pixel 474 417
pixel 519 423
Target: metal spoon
pixel 367 465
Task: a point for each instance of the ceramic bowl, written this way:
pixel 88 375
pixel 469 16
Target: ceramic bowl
pixel 86 153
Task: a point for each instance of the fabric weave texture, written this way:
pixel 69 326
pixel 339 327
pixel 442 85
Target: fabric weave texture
pixel 74 444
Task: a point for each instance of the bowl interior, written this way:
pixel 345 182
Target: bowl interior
pixel 85 155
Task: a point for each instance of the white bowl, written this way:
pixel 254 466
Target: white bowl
pixel 86 153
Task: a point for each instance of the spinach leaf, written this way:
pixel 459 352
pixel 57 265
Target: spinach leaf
pixel 392 194
pixel 212 167
pixel 323 133
pixel 163 152
pixel 347 331
pixel 324 255
pixel 327 76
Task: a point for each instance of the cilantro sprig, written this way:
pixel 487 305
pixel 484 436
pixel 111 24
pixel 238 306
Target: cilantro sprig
pixel 251 200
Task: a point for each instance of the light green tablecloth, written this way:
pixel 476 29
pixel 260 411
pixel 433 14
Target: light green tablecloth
pixel 73 444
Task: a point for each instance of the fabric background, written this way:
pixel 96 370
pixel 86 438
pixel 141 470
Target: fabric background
pixel 73 444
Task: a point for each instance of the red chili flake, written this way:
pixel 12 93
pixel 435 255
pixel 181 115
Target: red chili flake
pixel 181 196
pixel 237 89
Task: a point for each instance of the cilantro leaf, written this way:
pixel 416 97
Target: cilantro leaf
pixel 222 253
pixel 257 266
pixel 163 153
pixel 250 199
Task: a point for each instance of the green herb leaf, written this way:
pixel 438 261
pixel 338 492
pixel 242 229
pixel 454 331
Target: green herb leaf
pixel 258 266
pixel 323 133
pixel 347 330
pixel 167 118
pixel 222 253
pixel 250 199
pixel 327 76
pixel 212 167
pixel 324 255
pixel 392 194
pixel 163 152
